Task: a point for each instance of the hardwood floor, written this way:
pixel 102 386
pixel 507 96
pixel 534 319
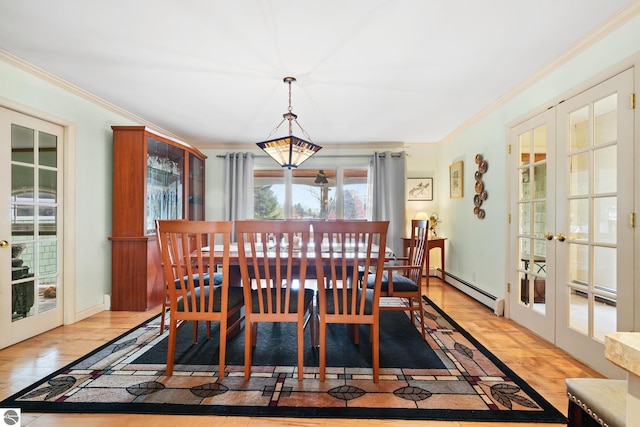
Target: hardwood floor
pixel 543 365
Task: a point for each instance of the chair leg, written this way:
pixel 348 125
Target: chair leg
pixel 171 348
pixel 163 314
pixel 195 331
pixel 248 347
pixel 375 350
pixel 422 328
pixel 254 335
pixel 300 349
pixel 313 327
pixel 354 333
pixel 323 349
pixel 223 346
pixel 313 330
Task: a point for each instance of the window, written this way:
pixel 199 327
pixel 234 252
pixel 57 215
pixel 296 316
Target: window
pixel 310 194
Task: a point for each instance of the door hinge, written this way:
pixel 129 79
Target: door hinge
pixel 632 101
pixel 509 149
pixel 509 218
pixel 508 288
pixel 632 220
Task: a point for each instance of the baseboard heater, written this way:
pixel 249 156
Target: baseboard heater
pixel 483 297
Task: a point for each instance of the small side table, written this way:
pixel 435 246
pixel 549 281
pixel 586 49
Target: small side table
pixel 434 242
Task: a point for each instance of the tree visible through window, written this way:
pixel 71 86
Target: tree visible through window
pixel 314 194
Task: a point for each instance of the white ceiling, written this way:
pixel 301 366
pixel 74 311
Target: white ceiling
pixel 369 71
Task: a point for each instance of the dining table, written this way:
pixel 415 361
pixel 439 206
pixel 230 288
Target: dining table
pixel 235 278
pixel 234 260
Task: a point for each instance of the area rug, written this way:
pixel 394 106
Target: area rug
pixel 449 377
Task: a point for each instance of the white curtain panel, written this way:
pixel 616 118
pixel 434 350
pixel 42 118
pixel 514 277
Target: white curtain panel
pixel 386 187
pixel 238 187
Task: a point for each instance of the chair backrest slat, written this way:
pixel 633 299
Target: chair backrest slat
pixel 345 257
pixel 187 264
pixel 272 257
pixel 418 248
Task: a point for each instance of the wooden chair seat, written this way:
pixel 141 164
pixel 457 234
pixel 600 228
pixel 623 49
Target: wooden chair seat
pixel 335 306
pixel 236 297
pixel 206 280
pixel 400 283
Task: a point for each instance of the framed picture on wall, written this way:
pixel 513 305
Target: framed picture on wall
pixel 455 180
pixel 419 189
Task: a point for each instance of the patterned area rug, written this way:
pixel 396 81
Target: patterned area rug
pixel 468 383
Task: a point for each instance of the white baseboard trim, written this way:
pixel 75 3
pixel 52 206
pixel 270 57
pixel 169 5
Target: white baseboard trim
pixel 89 312
pixel 492 302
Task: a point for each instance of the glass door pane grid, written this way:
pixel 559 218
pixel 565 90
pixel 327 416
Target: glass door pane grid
pixel 592 307
pixel 35 207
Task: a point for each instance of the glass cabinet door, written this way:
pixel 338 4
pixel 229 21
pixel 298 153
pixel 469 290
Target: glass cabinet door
pixel 165 170
pixel 196 188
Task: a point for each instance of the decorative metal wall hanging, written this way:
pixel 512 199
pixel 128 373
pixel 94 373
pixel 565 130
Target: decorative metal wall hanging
pixel 481 192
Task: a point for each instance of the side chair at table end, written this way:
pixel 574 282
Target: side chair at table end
pixel 273 266
pixel 403 275
pixel 345 258
pixel 184 262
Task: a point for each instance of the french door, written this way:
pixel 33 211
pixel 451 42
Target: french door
pixel 30 227
pixel 573 191
pixel 532 297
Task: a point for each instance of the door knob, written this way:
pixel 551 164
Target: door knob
pixel 560 237
pixel 3 243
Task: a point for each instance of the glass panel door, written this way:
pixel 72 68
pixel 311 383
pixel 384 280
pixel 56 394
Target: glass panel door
pixel 593 235
pixel 532 297
pixel 33 227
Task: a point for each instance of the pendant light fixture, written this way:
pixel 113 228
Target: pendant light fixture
pixel 289 151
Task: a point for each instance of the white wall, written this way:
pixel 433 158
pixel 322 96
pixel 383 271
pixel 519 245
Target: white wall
pixel 476 249
pixel 92 157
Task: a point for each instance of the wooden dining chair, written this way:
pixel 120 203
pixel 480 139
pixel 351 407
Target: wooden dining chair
pixel 217 280
pixel 273 266
pixel 403 275
pixel 185 259
pixel 345 254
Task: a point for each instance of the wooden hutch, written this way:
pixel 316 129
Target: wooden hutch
pixel 154 177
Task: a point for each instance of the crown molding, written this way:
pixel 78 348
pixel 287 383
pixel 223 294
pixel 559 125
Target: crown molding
pixel 69 87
